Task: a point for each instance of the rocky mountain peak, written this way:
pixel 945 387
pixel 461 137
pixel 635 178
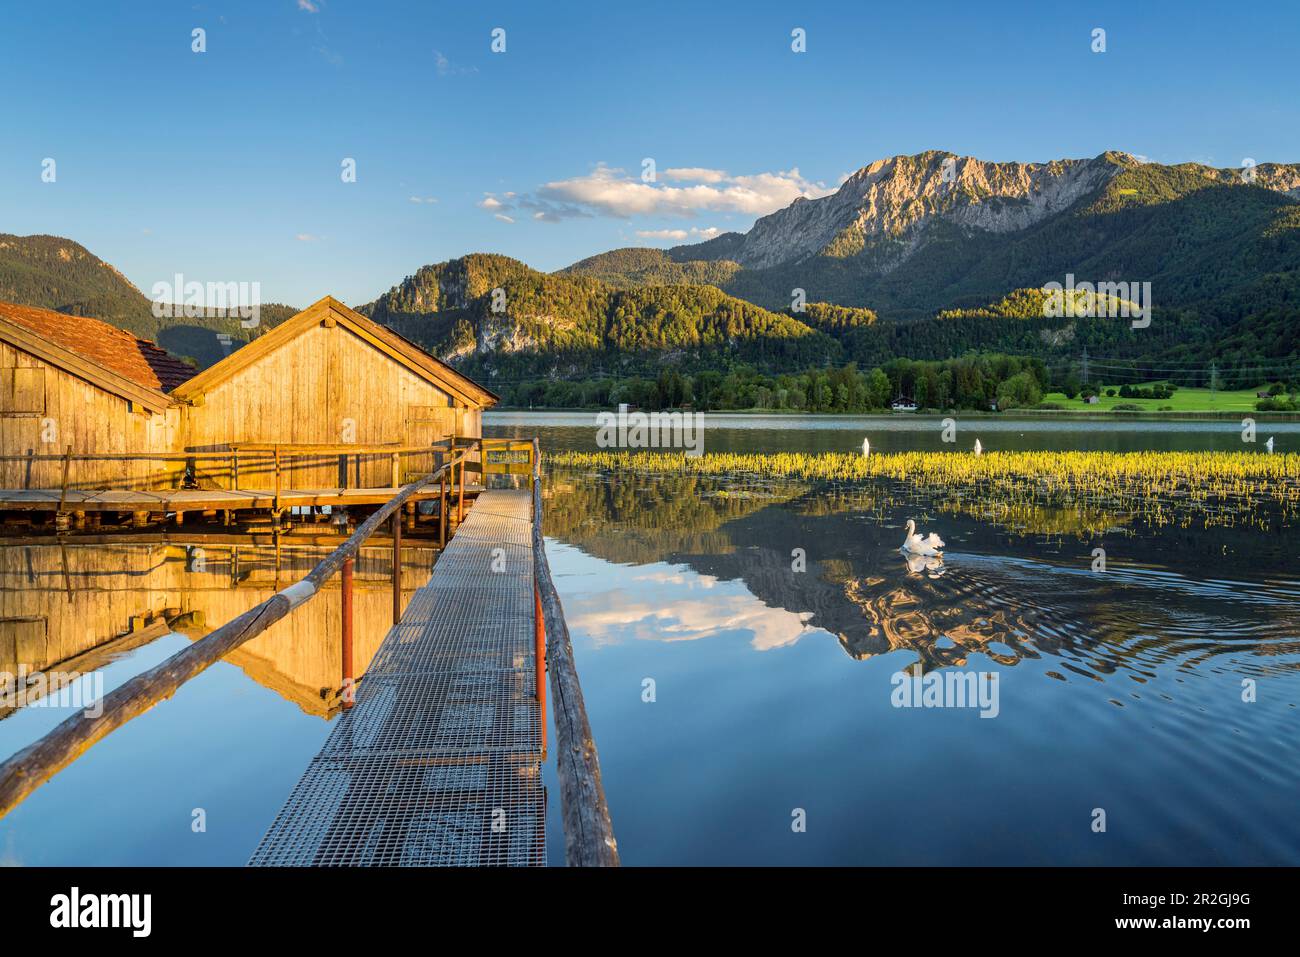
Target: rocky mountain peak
pixel 890 199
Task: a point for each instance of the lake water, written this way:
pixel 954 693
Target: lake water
pixel 773 689
pixel 735 690
pixel 905 432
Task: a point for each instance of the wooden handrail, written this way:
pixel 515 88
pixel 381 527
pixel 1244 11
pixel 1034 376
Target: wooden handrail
pixel 265 450
pixel 31 767
pixel 588 833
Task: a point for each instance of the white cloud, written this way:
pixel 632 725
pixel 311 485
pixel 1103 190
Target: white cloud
pixel 504 218
pixel 306 238
pixel 694 232
pixel 673 603
pixel 308 6
pixel 695 174
pixel 422 199
pixel 607 191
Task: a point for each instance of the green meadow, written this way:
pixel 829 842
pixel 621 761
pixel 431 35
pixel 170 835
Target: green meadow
pixel 1183 400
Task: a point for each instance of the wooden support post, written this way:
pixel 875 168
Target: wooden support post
pixel 397 567
pixel 397 471
pixel 234 472
pixel 539 661
pixel 347 633
pixel 276 507
pixel 63 495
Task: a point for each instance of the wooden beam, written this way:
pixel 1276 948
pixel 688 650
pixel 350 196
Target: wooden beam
pixel 588 834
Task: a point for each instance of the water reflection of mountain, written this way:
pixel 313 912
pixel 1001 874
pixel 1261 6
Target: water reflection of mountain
pixel 637 519
pixel 1017 583
pixel 78 607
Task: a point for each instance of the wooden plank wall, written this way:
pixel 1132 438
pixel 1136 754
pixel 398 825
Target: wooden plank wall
pixel 44 409
pixel 325 386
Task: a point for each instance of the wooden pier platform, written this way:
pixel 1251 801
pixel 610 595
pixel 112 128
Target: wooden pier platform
pixel 439 761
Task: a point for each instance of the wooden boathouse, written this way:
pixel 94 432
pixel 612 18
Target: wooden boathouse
pixel 327 409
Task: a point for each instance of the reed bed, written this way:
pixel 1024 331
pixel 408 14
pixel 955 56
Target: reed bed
pixel 1217 485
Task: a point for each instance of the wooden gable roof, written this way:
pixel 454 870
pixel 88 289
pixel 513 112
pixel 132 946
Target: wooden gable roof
pixel 329 310
pixel 112 359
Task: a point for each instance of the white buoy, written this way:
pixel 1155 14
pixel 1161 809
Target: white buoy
pixel 866 447
pixel 979 449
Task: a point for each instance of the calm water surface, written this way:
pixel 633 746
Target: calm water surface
pixel 905 432
pixel 1120 691
pixel 772 687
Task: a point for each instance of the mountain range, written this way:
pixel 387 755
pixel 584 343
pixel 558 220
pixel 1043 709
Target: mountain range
pixel 926 256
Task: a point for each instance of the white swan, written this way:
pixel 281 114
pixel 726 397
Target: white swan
pixel 866 448
pixel 917 545
pixel 979 449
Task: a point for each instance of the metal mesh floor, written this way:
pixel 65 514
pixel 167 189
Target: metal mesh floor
pixel 439 761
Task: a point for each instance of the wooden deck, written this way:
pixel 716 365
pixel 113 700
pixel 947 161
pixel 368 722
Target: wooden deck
pixel 439 762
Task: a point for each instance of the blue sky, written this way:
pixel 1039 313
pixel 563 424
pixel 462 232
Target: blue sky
pixel 225 165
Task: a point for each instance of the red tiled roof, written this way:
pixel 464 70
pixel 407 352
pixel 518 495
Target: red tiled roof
pixel 115 349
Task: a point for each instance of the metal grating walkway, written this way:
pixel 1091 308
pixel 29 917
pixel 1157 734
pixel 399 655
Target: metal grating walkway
pixel 439 761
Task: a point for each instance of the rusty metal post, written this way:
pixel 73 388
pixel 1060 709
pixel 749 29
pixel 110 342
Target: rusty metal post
pixel 347 633
pixel 539 660
pixel 397 566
